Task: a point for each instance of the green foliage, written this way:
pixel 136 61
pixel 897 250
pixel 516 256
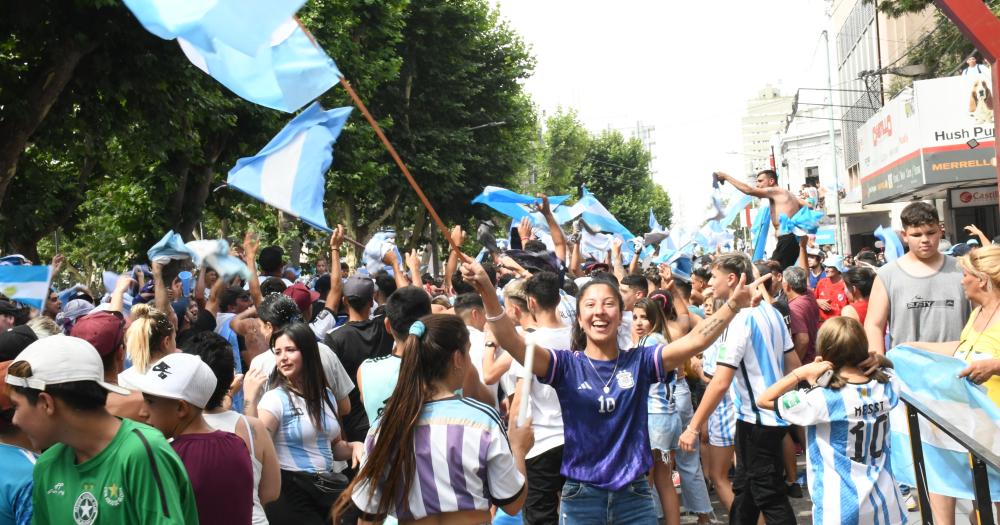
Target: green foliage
pixel 566 144
pixel 138 138
pixel 945 48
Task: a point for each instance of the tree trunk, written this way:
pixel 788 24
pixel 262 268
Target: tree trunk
pixel 16 129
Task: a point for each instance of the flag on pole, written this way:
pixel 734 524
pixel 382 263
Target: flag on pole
pixel 933 379
pixel 285 75
pixel 244 25
pixel 511 204
pixel 735 208
pixel 289 173
pixel 26 284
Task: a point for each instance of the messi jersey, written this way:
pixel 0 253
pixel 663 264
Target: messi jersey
pixel 847 434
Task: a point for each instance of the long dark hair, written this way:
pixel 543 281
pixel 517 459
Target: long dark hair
pixel 391 463
pixel 578 340
pixel 312 381
pixel 654 312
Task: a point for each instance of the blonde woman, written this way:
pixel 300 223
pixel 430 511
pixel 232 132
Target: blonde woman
pixel 148 339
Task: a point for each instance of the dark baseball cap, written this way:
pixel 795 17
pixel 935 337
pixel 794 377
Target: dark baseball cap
pixel 105 330
pixel 360 287
pixel 14 340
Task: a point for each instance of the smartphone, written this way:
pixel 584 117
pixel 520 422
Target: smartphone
pixel 824 379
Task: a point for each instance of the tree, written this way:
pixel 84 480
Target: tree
pixel 566 144
pixel 617 172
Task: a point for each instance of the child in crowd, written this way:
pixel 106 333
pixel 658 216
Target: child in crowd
pixel 846 417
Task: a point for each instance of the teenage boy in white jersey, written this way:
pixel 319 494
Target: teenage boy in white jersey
pixel 755 350
pixel 919 297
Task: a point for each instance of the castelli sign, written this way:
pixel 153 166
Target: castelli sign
pixel 979 196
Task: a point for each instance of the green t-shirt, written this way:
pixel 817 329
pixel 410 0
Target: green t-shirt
pixel 123 484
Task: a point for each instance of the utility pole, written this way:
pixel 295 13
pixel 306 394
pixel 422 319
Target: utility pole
pixel 833 146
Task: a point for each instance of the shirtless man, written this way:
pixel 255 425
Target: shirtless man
pixel 783 202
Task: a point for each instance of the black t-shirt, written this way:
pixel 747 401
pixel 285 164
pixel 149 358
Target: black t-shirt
pixel 353 343
pixel 781 305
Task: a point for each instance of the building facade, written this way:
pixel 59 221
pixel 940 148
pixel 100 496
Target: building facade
pixel 766 117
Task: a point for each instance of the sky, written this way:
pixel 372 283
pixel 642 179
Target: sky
pixel 686 68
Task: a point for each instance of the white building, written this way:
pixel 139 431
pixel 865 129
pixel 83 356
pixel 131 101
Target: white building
pixel 766 116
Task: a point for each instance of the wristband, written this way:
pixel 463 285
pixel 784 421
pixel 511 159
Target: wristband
pixel 731 304
pixel 495 318
pixel 797 378
pixel 695 432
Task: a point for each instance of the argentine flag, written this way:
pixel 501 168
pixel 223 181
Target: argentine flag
pixel 893 246
pixel 511 204
pixel 244 25
pixel 761 224
pixel 289 173
pixel 286 74
pixel 26 284
pixel 933 379
pixel 596 215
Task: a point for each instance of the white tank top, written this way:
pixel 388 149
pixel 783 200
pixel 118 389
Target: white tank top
pixel 226 422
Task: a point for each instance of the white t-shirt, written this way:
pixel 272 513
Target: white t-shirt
pixel 300 445
pixel 477 349
pixel 544 410
pixel 336 376
pixel 625 331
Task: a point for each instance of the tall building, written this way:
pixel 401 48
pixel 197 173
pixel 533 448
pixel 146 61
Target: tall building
pixel 766 116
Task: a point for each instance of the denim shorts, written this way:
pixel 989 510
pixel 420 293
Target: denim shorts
pixel 664 431
pixel 585 504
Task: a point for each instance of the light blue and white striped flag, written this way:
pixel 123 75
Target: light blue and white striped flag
pixel 933 379
pixel 761 224
pixel 511 204
pixel 26 284
pixel 289 173
pixel 244 25
pixel 285 75
pixel 596 215
pixel 654 225
pixel 893 246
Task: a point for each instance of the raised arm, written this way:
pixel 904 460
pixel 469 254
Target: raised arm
pixel 616 259
pixel 118 296
pixel 746 188
pixel 161 299
pixel 199 286
pixel 215 296
pixel 574 260
pixel 633 267
pixel 558 237
pixel 501 326
pixel 973 230
pixel 708 330
pixel 808 373
pixel 336 285
pixel 250 245
pixel 458 237
pixel 413 265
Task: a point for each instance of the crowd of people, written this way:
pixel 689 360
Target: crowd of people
pixel 345 396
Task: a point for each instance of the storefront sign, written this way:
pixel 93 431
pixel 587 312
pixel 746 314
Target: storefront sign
pixel 939 132
pixel 979 196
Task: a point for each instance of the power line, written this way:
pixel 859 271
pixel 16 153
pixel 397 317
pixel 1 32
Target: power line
pixel 828 118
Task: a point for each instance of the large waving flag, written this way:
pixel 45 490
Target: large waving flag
pixel 289 172
pixel 26 284
pixel 511 204
pixel 933 379
pixel 761 224
pixel 735 208
pixel 597 216
pixel 893 247
pixel 244 25
pixel 654 225
pixel 284 75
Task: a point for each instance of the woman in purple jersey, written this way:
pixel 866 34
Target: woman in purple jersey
pixel 603 393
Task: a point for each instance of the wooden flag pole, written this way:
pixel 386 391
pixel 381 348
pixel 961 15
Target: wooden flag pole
pixel 399 162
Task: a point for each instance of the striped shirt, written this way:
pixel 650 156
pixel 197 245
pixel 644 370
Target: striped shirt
pixel 847 434
pixel 722 421
pixel 754 345
pixel 659 393
pixel 300 445
pixel 463 462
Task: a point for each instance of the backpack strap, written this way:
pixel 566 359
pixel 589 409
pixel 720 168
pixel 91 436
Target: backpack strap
pixel 156 472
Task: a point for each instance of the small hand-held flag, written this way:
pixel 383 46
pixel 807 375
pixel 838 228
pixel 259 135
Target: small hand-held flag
pixel 26 284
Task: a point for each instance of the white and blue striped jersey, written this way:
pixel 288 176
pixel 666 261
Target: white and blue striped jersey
pixel 300 445
pixel 847 435
pixel 722 420
pixel 462 462
pixel 659 393
pixel 755 345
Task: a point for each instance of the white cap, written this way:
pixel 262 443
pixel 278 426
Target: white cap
pixel 178 376
pixel 62 359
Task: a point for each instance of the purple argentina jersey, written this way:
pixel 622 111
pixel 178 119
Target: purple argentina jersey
pixel 606 433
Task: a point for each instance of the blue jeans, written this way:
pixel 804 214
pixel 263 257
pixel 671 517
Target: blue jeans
pixel 585 504
pixel 694 493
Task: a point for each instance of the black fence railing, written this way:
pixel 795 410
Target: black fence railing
pixel 979 458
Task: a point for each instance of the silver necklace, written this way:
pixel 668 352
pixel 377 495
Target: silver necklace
pixel 598 374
